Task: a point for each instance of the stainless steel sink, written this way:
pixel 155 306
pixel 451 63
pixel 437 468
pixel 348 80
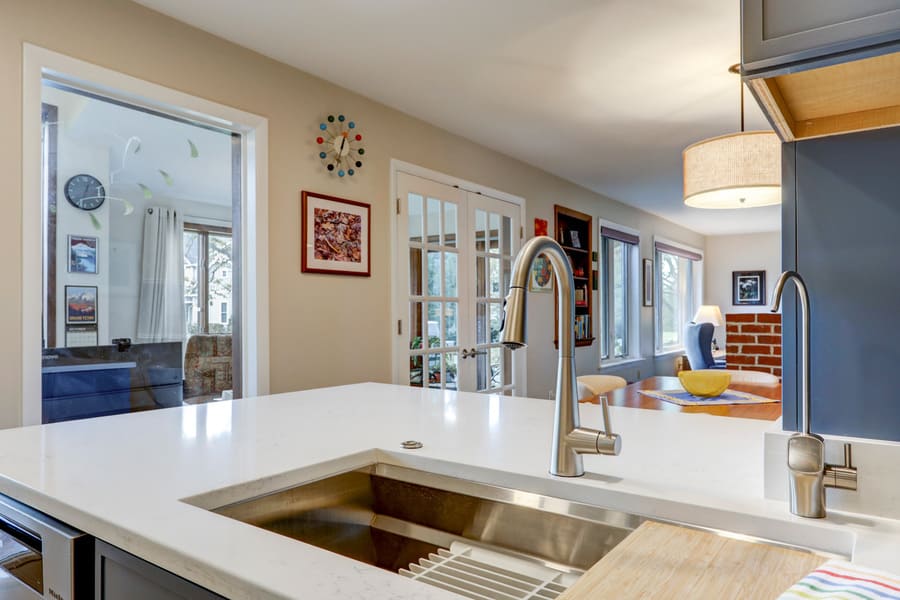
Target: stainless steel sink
pixel 415 522
pixel 391 516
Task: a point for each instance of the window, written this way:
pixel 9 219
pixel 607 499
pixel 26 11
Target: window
pixel 618 310
pixel 207 278
pixel 678 274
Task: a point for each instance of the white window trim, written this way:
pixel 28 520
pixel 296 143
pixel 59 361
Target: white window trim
pixel 400 300
pixel 39 62
pixel 697 292
pixel 634 278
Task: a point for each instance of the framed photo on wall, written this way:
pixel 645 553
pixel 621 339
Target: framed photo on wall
pixel 335 235
pixel 647 299
pixel 82 254
pixel 748 288
pixel 81 304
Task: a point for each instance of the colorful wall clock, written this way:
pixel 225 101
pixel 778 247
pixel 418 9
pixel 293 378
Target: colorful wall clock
pixel 340 146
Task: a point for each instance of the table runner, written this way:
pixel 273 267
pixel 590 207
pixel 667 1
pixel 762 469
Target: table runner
pixel 684 398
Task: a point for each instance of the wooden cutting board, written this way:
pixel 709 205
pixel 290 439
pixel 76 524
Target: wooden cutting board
pixel 667 561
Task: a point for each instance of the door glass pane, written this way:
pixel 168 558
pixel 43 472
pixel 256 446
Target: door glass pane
pixel 434 273
pixel 494 232
pixel 415 325
pixel 507 269
pixel 415 217
pixel 496 321
pixel 494 277
pixel 434 324
pixel 480 227
pixel 451 288
pixel 482 372
pixel 450 324
pixel 450 370
pixel 496 367
pixel 481 323
pixel 415 272
pixel 415 371
pixel 434 221
pixel 450 224
pixel 480 277
pixel 434 371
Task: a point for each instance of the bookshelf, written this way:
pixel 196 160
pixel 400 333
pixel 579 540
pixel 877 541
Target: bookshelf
pixel 574 232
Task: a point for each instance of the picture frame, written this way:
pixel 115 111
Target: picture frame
pixel 541 278
pixel 541 227
pixel 81 304
pixel 335 235
pixel 574 239
pixel 748 288
pixel 647 296
pixel 82 254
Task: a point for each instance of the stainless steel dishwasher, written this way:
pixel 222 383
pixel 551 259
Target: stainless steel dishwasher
pixel 41 557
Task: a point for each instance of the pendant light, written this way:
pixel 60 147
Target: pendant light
pixel 739 170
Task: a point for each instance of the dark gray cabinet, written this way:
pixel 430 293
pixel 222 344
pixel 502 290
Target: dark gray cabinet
pixel 841 231
pixel 123 576
pixel 779 32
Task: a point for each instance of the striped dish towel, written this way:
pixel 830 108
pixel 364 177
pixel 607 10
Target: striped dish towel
pixel 838 579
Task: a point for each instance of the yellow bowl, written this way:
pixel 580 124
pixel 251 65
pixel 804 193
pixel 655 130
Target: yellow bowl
pixel 705 383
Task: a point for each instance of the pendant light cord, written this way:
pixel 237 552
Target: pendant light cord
pixel 736 69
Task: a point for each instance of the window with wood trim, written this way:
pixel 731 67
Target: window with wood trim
pixel 618 271
pixel 208 279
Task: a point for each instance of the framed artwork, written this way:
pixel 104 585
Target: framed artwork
pixel 748 288
pixel 541 279
pixel 540 227
pixel 82 254
pixel 81 304
pixel 575 240
pixel 335 236
pixel 648 283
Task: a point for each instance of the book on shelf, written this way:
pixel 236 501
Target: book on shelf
pixel 582 327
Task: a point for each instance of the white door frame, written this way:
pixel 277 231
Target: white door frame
pixel 39 62
pixel 399 301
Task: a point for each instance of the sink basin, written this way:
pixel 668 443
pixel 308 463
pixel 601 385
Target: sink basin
pixel 390 516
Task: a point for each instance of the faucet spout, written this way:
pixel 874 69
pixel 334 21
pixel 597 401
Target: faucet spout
pixel 570 440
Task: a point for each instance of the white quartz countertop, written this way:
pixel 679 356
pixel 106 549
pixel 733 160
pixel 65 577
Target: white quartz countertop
pixel 123 479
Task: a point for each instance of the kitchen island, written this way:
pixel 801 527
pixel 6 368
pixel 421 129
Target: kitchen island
pixel 133 480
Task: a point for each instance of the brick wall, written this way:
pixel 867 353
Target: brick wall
pixel 753 342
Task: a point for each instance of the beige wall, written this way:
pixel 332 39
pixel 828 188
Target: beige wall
pixel 727 253
pixel 318 336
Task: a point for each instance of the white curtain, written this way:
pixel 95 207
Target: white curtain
pixel 161 308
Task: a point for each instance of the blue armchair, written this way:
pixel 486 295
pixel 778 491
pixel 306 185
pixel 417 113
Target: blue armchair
pixel 698 346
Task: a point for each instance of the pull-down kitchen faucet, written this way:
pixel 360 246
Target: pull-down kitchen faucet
pixel 809 475
pixel 570 440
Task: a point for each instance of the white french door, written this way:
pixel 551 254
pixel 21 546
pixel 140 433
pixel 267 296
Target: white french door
pixel 454 261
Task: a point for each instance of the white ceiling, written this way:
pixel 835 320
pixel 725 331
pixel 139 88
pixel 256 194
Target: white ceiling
pixel 605 93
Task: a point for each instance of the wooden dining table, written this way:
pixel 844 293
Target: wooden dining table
pixel 630 396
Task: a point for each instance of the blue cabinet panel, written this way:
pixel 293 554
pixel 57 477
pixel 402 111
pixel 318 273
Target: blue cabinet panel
pixel 844 230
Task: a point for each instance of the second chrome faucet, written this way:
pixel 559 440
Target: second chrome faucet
pixel 809 475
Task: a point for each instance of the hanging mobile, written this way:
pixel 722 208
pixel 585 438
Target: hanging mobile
pixel 341 148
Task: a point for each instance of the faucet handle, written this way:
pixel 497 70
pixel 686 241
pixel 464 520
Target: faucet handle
pixel 607 422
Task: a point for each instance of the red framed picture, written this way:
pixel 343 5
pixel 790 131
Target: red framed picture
pixel 335 236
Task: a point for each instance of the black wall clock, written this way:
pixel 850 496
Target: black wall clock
pixel 340 144
pixel 85 192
